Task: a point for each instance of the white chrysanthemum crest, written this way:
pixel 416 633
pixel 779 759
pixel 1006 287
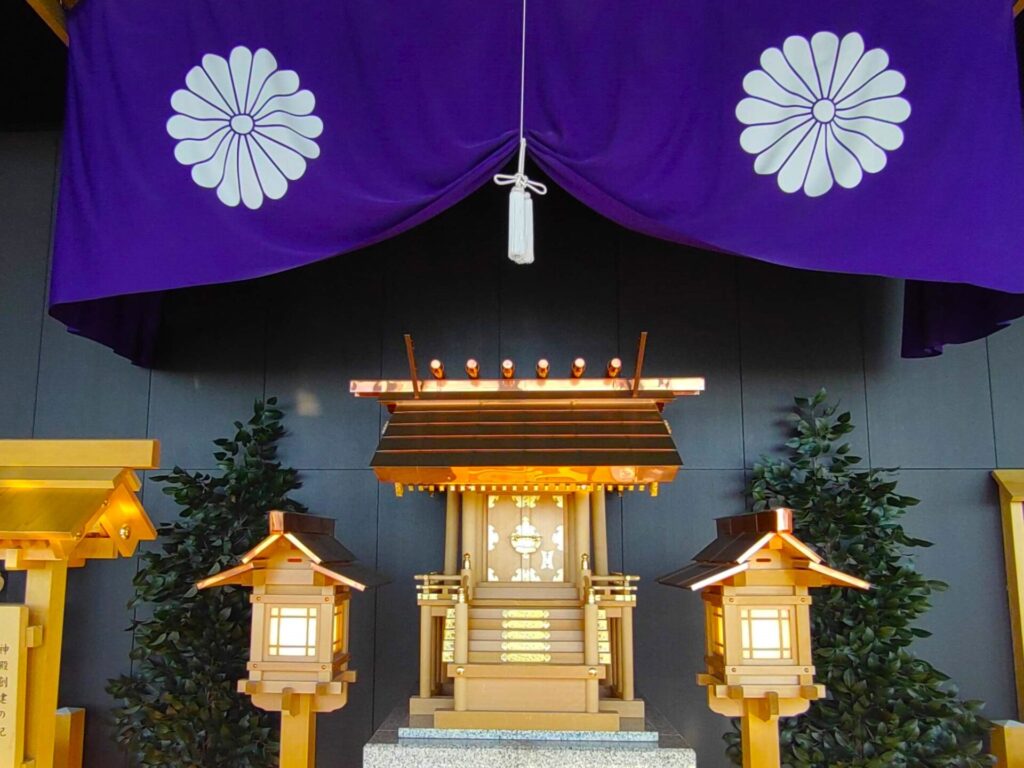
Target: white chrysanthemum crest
pixel 822 111
pixel 244 126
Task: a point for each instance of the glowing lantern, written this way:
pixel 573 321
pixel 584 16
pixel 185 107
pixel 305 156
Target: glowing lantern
pixel 754 579
pixel 301 577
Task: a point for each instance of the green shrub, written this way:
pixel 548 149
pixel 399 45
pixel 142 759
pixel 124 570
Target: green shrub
pixel 886 707
pixel 179 707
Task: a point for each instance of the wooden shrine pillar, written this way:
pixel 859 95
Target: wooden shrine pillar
pixel 581 515
pixel 471 530
pixel 45 589
pixel 451 533
pixel 599 530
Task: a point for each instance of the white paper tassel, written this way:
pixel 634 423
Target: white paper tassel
pixel 520 226
pixel 520 210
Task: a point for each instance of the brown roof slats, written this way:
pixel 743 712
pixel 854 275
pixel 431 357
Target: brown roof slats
pixel 727 549
pixel 358 573
pixel 534 434
pixel 692 574
pixel 326 548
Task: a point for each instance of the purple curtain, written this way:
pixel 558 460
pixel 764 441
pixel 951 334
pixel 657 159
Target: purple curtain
pixel 209 142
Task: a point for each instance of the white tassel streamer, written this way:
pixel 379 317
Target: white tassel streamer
pixel 520 209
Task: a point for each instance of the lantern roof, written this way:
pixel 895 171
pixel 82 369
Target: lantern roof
pixel 73 499
pixel 310 536
pixel 740 539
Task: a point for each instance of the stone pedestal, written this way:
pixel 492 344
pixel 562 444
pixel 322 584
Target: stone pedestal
pixel 401 743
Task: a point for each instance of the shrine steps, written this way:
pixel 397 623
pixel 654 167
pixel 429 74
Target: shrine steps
pixel 529 632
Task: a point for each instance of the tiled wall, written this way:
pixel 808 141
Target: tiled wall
pixel 760 334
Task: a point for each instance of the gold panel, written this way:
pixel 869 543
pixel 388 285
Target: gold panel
pixel 526 658
pixel 525 624
pixel 522 645
pixel 525 634
pixel 525 613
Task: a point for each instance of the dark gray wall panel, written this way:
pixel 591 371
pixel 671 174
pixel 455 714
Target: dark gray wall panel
pixel 562 306
pixel 213 371
pixel 687 303
pixel 85 390
pixel 928 413
pixel 1006 363
pixel 959 512
pixel 326 331
pixel 97 640
pixel 449 307
pixel 799 331
pixel 662 534
pixel 410 540
pixel 27 170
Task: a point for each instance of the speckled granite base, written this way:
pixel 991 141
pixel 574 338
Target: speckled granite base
pixel 399 744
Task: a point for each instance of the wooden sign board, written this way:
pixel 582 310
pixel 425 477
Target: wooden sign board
pixel 13 653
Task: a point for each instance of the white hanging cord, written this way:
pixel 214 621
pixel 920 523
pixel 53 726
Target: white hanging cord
pixel 520 204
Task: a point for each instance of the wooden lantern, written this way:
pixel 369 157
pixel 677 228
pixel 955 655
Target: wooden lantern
pixel 754 579
pixel 301 577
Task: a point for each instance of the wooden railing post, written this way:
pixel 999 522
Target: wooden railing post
pixel 590 651
pixel 461 651
pixel 426 652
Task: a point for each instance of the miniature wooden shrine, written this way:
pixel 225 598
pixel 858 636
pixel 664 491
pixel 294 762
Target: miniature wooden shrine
pixel 754 579
pixel 62 502
pixel 525 628
pixel 301 579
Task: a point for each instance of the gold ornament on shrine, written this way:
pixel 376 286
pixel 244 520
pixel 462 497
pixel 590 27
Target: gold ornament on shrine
pixel 755 580
pixel 302 580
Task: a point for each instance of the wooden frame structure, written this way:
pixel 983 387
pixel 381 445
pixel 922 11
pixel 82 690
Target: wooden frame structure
pixel 1011 497
pixel 62 502
pixel 301 579
pixel 525 627
pixel 754 579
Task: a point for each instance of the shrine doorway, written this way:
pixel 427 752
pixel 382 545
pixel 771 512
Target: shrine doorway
pixel 526 537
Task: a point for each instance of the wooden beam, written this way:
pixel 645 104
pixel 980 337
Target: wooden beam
pixel 133 454
pixel 410 353
pixel 52 12
pixel 1018 6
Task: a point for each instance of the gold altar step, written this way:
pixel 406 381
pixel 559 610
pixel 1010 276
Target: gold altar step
pixel 525 591
pixel 545 646
pixel 546 611
pixel 527 632
pixel 574 634
pixel 554 625
pixel 524 657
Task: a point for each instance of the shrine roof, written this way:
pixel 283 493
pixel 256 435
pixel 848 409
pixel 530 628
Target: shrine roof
pixel 606 441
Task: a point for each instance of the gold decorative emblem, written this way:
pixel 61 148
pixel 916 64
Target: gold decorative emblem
pixel 526 658
pixel 525 613
pixel 526 539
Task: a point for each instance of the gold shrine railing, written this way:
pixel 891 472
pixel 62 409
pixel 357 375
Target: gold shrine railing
pixel 445 587
pixel 438 587
pixel 614 588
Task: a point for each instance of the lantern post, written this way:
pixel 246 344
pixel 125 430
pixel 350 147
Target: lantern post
pixel 755 580
pixel 302 580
